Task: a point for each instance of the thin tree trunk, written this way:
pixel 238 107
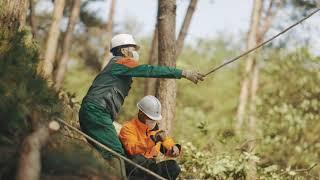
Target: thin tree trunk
pixel 106 54
pixel 29 166
pixel 32 19
pixel 62 68
pixel 46 66
pixel 251 42
pixel 150 83
pixel 244 94
pixel 12 14
pixel 185 27
pixel 166 89
pixel 266 24
pixel 253 95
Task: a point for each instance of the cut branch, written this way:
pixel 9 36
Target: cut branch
pixel 29 166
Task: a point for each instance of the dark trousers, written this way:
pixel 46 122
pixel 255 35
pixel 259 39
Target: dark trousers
pixel 168 169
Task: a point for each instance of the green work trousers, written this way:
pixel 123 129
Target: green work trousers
pixel 96 122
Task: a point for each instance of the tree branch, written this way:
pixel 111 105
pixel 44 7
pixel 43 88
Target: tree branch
pixel 301 170
pixel 268 19
pixel 185 26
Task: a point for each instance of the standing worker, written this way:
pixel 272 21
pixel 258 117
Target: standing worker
pixel 143 141
pixel 106 95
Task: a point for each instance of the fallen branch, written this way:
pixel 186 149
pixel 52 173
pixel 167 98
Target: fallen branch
pixel 307 170
pixel 29 165
pixel 245 145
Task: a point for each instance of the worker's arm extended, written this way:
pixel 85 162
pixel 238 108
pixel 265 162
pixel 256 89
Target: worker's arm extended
pixel 129 67
pixel 130 141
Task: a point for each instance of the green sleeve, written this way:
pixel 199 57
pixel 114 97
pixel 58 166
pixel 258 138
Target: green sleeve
pixel 147 71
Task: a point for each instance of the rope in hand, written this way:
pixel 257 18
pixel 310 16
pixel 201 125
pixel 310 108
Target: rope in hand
pixel 110 150
pixel 262 44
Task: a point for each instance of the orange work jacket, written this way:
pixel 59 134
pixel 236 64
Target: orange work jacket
pixel 135 137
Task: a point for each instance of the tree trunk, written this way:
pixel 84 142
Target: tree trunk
pixel 32 19
pixel 29 166
pixel 12 14
pixel 67 44
pixel 106 54
pixel 150 83
pixel 166 89
pixel 185 27
pixel 244 94
pixel 266 24
pixel 251 42
pixel 51 46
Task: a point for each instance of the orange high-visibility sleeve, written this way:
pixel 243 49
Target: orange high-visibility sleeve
pixel 130 141
pixel 168 143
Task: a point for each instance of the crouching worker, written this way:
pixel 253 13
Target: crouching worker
pixel 143 141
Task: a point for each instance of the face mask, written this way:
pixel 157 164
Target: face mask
pixel 135 55
pixel 151 124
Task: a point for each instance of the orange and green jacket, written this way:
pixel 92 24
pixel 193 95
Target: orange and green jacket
pixel 135 138
pixel 112 84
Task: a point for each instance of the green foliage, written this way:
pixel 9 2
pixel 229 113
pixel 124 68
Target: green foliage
pixel 289 109
pixel 203 164
pixel 22 91
pixel 26 103
pixel 89 18
pixel 203 102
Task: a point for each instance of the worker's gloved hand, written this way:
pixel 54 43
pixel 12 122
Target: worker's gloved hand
pixel 159 136
pixel 174 151
pixel 193 76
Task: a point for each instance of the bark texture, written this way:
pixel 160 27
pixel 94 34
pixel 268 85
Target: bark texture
pixel 62 68
pixel 166 88
pixel 46 66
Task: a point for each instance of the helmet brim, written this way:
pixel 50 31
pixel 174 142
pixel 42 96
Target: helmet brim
pixel 155 118
pixel 136 46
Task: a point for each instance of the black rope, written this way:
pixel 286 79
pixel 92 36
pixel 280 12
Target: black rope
pixel 262 44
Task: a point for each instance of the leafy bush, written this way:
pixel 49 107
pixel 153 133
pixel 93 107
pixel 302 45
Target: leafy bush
pixel 22 91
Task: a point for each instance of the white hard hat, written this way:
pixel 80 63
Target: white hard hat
pixel 151 107
pixel 122 39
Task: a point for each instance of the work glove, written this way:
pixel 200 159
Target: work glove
pixel 193 76
pixel 158 136
pixel 174 151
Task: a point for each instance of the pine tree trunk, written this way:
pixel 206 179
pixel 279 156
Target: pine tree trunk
pixel 106 54
pixel 251 42
pixel 245 88
pixel 32 19
pixel 29 166
pixel 62 68
pixel 266 22
pixel 150 83
pixel 12 14
pixel 166 89
pixel 51 46
pixel 185 27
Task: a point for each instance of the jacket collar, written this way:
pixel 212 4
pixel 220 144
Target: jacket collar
pixel 141 125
